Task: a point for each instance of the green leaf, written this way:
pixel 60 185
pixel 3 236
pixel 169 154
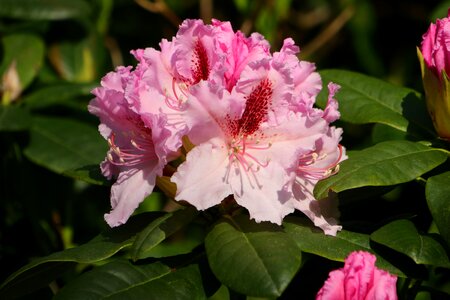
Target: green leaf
pixel 44 9
pixel 122 280
pixel 437 192
pixel 252 259
pixel 363 99
pixel 42 271
pixel 382 133
pixel 402 236
pixel 310 239
pixel 24 52
pixel 384 164
pixel 14 118
pixel 76 61
pixel 160 229
pixel 60 94
pixel 67 147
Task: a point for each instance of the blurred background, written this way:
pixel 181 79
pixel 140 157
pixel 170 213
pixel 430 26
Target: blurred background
pixel 61 49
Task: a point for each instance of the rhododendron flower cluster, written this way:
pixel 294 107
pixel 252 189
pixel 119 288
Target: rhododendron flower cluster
pixel 239 121
pixel 359 279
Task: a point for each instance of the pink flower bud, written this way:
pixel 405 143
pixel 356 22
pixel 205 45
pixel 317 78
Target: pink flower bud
pixel 434 56
pixel 359 280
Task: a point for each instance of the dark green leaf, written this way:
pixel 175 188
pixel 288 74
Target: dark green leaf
pixel 402 236
pixel 310 239
pixel 252 259
pixel 25 52
pixel 437 193
pixel 44 9
pixel 384 164
pixel 382 133
pixel 67 147
pixel 363 99
pixel 42 271
pixel 76 61
pixel 62 94
pixel 160 229
pixel 123 280
pixel 14 118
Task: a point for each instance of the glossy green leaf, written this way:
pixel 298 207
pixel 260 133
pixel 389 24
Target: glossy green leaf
pixel 158 230
pixel 250 258
pixel 68 147
pixel 24 52
pixel 44 9
pixel 363 99
pixel 14 118
pixel 384 164
pixel 311 239
pixel 437 193
pixel 122 280
pixel 60 94
pixel 402 236
pixel 43 270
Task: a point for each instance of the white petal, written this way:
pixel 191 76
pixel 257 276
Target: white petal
pixel 201 179
pixel 127 193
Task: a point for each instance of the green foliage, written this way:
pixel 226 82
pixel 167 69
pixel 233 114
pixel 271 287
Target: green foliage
pixel 402 236
pixel 384 164
pixel 67 147
pixel 44 9
pixel 253 259
pixel 437 191
pixel 150 281
pixel 392 190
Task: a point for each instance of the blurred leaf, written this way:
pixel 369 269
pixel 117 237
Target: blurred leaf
pixel 363 99
pixel 437 193
pixel 42 271
pixel 250 258
pixel 26 51
pixel 88 173
pixel 311 239
pixel 62 94
pixel 122 280
pixel 440 11
pixel 14 118
pixel 402 236
pixel 362 27
pixel 67 147
pixel 160 229
pixel 384 164
pixel 75 61
pixel 44 9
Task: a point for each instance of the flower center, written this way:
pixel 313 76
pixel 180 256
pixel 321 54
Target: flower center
pixel 137 146
pixel 307 160
pixel 256 107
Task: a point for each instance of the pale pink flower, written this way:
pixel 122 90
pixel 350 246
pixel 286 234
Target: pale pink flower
pixel 137 153
pixel 249 141
pixel 360 279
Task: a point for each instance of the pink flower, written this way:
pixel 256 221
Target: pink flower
pixel 359 280
pixel 136 155
pixel 245 117
pixel 434 56
pixel 251 140
pixel 436 47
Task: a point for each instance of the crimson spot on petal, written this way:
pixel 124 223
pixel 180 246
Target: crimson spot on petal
pixel 200 63
pixel 256 108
